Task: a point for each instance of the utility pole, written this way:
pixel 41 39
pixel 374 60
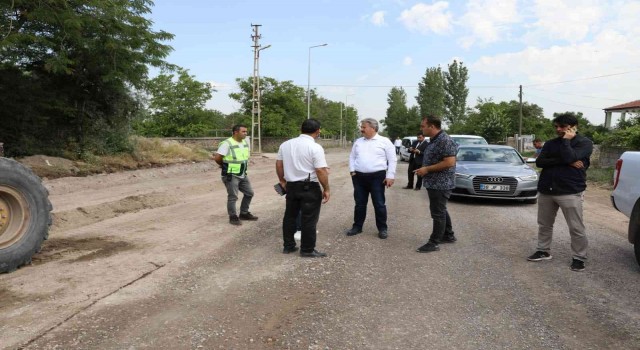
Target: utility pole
pixel 256 109
pixel 520 148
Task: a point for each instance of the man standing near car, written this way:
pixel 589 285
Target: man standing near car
pixel 438 173
pixel 233 157
pixel 415 161
pixel 397 143
pixel 301 168
pixel 564 162
pixel 372 164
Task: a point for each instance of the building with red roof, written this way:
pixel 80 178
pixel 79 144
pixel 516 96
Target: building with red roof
pixel 629 107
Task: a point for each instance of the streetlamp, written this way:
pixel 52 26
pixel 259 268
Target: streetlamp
pixel 259 93
pixel 345 112
pixel 309 81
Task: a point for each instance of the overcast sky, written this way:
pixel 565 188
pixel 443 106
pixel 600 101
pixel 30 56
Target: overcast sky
pixel 577 55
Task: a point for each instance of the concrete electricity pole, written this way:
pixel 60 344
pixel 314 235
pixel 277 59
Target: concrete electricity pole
pixel 256 109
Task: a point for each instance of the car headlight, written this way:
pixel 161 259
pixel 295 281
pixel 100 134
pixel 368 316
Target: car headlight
pixel 463 176
pixel 533 177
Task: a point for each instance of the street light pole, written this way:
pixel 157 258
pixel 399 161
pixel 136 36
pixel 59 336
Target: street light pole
pixel 259 104
pixel 309 81
pixel 346 98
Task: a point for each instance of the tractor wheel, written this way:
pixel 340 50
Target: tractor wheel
pixel 25 214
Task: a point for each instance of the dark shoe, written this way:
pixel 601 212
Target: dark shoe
pixel 407 187
pixel 354 231
pixel 248 216
pixel 577 265
pixel 383 234
pixel 417 189
pixel 289 250
pixel 233 220
pixel 429 247
pixel 449 239
pixel 313 254
pixel 539 256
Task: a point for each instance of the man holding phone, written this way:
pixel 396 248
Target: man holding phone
pixel 564 162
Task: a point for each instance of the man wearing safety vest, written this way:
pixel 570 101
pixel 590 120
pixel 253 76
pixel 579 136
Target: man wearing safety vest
pixel 233 157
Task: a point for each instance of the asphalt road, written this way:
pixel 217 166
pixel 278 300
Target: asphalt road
pixel 146 259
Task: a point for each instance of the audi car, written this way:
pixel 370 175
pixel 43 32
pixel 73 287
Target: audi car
pixel 494 171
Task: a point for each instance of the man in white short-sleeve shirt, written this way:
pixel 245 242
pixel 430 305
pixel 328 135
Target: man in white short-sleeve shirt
pixel 301 168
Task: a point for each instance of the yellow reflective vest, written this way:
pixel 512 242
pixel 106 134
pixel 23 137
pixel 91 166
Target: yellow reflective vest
pixel 237 159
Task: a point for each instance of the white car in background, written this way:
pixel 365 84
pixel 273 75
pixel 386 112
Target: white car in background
pixel 404 149
pixel 468 140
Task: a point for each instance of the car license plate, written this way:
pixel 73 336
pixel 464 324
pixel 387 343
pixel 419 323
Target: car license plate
pixel 489 187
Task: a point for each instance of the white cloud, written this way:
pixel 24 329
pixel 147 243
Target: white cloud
pixel 407 61
pixel 424 18
pixel 593 64
pixel 488 21
pixel 570 20
pixel 377 18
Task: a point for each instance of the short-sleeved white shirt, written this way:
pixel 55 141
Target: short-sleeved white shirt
pixel 301 157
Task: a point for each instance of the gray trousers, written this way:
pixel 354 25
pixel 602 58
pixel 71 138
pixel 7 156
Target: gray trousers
pixel 234 185
pixel 571 206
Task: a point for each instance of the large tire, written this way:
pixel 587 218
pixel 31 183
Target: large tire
pixel 25 214
pixel 634 230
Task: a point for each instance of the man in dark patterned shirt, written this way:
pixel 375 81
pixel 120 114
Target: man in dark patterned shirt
pixel 438 175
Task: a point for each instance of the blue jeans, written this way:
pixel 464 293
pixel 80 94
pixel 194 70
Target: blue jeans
pixel 441 220
pixel 365 184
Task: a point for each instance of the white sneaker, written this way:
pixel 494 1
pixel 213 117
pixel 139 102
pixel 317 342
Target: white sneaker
pixel 297 235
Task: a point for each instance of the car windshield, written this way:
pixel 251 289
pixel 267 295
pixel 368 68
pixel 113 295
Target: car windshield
pixel 469 140
pixel 489 155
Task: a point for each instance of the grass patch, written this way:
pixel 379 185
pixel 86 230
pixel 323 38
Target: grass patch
pixel 145 153
pixel 602 177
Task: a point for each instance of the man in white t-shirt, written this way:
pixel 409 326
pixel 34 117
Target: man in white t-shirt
pixel 397 143
pixel 301 168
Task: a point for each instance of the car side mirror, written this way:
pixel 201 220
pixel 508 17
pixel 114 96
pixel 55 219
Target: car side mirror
pixel 530 160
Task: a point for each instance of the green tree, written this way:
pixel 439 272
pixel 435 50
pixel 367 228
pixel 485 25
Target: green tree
pixel 533 121
pixel 283 105
pixel 76 60
pixel 456 92
pixel 397 116
pixel 431 93
pixel 626 134
pixel 177 105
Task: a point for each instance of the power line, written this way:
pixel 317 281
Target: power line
pixel 413 86
pixel 570 94
pixel 583 79
pixel 563 103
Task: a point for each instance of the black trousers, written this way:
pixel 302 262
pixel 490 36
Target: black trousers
pixel 441 220
pixel 412 167
pixel 304 198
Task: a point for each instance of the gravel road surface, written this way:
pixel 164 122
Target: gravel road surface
pixel 147 260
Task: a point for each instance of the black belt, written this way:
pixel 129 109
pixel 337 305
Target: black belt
pixel 373 173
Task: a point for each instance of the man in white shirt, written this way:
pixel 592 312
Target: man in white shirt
pixel 301 168
pixel 397 143
pixel 372 164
